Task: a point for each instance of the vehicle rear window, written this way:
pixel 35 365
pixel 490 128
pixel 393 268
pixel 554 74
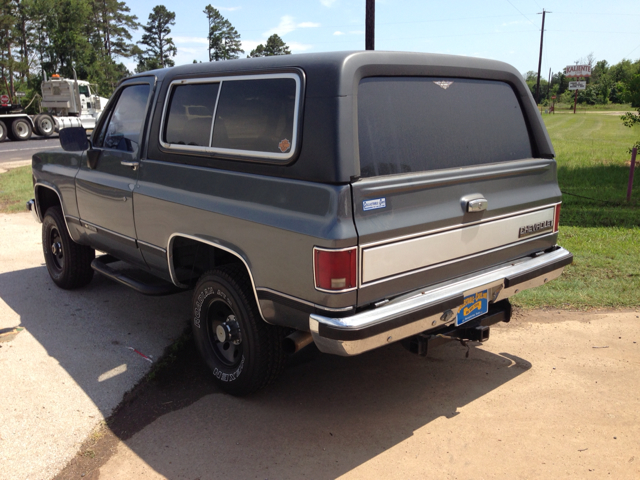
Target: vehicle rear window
pixel 256 115
pixel 414 124
pixel 190 114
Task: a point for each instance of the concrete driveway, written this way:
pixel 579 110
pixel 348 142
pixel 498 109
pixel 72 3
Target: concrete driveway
pixel 70 366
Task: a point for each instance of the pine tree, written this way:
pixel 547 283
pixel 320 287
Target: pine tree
pixel 224 39
pixel 112 39
pixel 274 46
pixel 160 46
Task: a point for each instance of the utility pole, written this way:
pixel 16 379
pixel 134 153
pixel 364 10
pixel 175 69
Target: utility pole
pixel 370 25
pixel 543 13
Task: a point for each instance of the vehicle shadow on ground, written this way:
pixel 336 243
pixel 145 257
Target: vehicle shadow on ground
pixel 325 416
pixel 88 330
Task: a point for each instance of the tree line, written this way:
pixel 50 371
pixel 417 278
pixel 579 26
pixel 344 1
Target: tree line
pixel 94 37
pixel 619 83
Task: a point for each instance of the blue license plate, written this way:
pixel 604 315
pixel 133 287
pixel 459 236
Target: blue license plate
pixel 473 306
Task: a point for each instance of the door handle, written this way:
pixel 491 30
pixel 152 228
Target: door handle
pixel 133 164
pixel 477 205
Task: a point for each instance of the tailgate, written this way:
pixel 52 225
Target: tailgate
pixel 429 147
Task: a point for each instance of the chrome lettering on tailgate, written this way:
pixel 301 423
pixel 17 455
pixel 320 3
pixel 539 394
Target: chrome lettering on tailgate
pixel 535 228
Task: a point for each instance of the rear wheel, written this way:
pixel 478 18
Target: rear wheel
pixel 3 131
pixel 68 263
pixel 45 125
pixel 243 352
pixel 21 129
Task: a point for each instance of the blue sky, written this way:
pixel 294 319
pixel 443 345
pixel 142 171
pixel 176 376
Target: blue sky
pixel 506 30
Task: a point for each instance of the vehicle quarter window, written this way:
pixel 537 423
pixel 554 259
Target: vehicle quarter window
pixel 256 115
pixel 190 114
pixel 125 124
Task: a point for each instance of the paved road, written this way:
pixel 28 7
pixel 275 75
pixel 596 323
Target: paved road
pixel 19 151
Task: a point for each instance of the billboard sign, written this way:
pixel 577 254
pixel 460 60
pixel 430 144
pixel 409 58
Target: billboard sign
pixel 578 71
pixel 578 85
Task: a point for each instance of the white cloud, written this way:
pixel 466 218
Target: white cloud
pixel 287 25
pixel 338 33
pixel 248 45
pixel 299 47
pixel 228 9
pixel 190 50
pixel 327 3
pixel 191 40
pixel 517 22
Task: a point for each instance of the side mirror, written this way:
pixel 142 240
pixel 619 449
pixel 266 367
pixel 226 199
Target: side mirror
pixel 74 139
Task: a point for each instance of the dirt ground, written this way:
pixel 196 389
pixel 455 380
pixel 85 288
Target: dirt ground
pixel 551 395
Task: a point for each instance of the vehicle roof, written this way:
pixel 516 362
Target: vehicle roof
pixel 338 68
pixel 331 82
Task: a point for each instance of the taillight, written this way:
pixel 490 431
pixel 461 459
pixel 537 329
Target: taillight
pixel 556 220
pixel 335 270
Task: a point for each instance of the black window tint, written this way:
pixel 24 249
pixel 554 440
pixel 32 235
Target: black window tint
pixel 83 89
pixel 256 115
pixel 125 124
pixel 190 113
pixel 416 124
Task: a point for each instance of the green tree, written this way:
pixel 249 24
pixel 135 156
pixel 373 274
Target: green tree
pixel 274 46
pixel 160 46
pixel 8 40
pixel 224 39
pixel 632 118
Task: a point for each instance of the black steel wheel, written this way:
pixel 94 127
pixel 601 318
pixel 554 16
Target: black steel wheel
pixel 68 263
pixel 45 125
pixel 21 129
pixel 242 350
pixel 3 131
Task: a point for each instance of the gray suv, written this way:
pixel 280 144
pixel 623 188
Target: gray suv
pixel 349 199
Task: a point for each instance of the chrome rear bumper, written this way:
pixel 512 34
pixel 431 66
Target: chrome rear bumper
pixel 427 309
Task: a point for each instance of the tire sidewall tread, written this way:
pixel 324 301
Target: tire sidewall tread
pixel 76 269
pixel 263 358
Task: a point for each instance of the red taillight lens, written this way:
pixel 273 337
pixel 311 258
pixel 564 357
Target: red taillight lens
pixel 556 220
pixel 335 269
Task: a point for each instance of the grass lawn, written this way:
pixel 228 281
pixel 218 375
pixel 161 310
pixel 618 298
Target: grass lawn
pixel 603 230
pixel 15 189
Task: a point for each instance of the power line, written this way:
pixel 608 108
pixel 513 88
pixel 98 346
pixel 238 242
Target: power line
pixel 632 51
pixel 521 13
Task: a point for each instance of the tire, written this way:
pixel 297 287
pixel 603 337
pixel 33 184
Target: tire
pixel 250 356
pixel 21 129
pixel 45 125
pixel 68 263
pixel 3 131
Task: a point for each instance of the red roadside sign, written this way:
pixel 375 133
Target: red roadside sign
pixel 4 99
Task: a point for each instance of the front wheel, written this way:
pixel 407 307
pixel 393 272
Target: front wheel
pixel 243 352
pixel 68 263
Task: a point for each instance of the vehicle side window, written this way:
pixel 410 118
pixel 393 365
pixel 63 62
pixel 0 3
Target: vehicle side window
pixel 190 114
pixel 250 116
pixel 255 115
pixel 123 129
pixel 84 90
